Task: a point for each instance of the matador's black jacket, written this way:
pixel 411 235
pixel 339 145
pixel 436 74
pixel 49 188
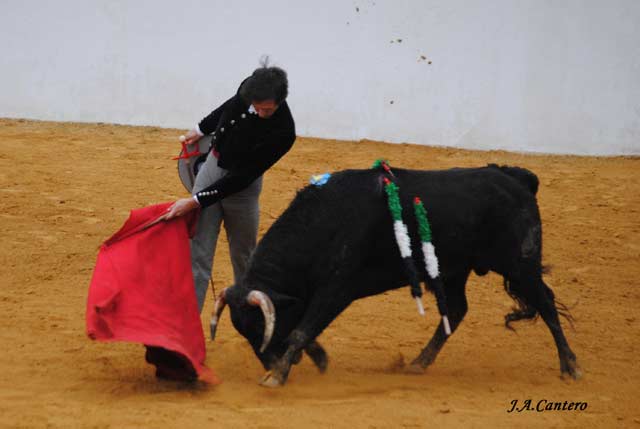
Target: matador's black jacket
pixel 245 145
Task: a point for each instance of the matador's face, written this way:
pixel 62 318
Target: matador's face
pixel 265 109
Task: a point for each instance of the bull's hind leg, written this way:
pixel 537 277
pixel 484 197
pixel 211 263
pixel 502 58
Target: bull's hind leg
pixel 534 293
pixel 457 306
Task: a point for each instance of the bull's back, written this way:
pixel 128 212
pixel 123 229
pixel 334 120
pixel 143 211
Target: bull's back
pixel 492 220
pixel 468 209
pixel 480 217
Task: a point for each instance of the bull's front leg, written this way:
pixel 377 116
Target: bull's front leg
pixel 279 371
pixel 324 308
pixel 317 354
pixel 457 303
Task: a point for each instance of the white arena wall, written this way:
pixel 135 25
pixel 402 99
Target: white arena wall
pixel 554 76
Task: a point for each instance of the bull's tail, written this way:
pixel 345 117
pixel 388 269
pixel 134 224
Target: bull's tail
pixel 524 176
pixel 524 311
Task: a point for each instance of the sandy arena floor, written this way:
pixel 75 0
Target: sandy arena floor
pixel 67 187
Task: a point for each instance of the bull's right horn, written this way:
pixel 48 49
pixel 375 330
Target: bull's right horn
pixel 219 305
pixel 258 298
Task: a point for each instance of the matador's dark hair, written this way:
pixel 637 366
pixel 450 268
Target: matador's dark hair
pixel 266 83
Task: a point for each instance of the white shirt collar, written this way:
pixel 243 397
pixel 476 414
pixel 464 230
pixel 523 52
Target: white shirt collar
pixel 252 109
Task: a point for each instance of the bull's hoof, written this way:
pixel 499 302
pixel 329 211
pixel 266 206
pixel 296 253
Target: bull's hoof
pixel 414 368
pixel 570 369
pixel 573 373
pixel 270 380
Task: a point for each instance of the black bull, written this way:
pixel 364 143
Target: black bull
pixel 335 244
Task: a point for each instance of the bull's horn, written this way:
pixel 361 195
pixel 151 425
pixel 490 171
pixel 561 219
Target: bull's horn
pixel 219 305
pixel 257 298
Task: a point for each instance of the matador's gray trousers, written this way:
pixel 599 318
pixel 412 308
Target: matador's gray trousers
pixel 240 213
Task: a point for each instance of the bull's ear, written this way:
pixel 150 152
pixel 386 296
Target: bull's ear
pixel 289 310
pixel 284 301
pixel 235 295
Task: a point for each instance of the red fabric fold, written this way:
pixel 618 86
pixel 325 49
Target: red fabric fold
pixel 142 289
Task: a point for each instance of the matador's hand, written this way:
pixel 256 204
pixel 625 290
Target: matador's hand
pixel 192 136
pixel 181 208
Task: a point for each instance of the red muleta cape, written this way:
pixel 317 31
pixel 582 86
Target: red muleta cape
pixel 142 291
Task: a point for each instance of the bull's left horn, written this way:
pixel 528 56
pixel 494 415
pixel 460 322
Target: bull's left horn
pixel 261 299
pixel 219 305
